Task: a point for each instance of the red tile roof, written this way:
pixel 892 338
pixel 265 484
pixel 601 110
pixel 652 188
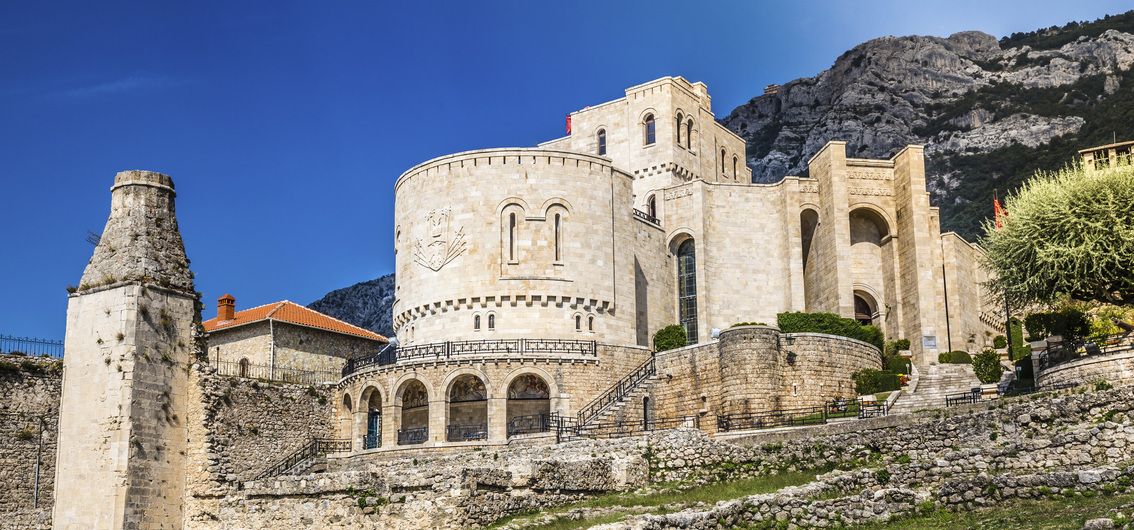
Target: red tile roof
pixel 291 313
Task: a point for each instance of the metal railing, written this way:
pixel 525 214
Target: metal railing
pixel 372 441
pixel 31 346
pixel 963 398
pixel 467 433
pixel 310 450
pixel 529 424
pixel 618 429
pixel 615 393
pixel 268 373
pixel 639 214
pixel 444 350
pixel 801 416
pixel 1063 352
pixel 413 436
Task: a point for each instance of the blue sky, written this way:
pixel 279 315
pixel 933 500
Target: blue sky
pixel 284 124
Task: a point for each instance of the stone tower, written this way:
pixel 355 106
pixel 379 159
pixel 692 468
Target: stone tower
pixel 122 426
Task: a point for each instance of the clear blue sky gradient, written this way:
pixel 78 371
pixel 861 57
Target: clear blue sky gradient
pixel 285 124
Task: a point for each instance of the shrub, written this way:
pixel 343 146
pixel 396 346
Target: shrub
pixel 987 366
pixel 1000 341
pixel 1071 324
pixel 895 346
pixel 670 337
pixel 954 357
pixel 871 381
pixel 25 434
pixel 898 365
pixel 831 324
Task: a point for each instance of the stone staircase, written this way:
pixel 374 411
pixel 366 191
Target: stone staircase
pixel 933 385
pixel 627 409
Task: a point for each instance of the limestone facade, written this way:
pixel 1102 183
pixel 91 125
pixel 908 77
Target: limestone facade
pixel 645 216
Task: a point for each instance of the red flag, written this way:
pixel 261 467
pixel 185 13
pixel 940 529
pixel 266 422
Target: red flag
pixel 998 212
pixel 568 124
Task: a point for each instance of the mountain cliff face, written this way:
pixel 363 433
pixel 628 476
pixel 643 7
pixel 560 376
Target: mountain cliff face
pixel 367 304
pixel 989 112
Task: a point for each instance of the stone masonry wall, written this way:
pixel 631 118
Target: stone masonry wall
pixel 1115 369
pixel 29 416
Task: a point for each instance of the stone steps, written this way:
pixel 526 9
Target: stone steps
pixel 933 386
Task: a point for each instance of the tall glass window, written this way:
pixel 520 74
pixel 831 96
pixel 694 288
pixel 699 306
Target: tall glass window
pixel 651 129
pixel 687 288
pixel 601 142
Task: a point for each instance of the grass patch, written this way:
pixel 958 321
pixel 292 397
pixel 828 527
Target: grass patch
pixel 665 495
pixel 1046 514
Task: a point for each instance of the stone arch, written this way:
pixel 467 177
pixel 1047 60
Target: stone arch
pixel 344 417
pixel 513 215
pixel 466 410
pixel 866 309
pixel 411 405
pixel 873 260
pixel 874 214
pixel 369 414
pixel 529 397
pixel 547 205
pixel 684 250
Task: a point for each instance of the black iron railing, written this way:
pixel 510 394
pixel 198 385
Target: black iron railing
pixel 266 372
pixel 795 417
pixel 646 217
pixel 444 350
pixel 1069 350
pixel 615 393
pixel 372 441
pixel 528 424
pixel 413 436
pixel 963 398
pixel 564 427
pixel 467 433
pixel 310 450
pixel 618 429
pixel 31 346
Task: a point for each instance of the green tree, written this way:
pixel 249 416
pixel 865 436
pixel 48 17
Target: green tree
pixel 987 367
pixel 1067 232
pixel 670 337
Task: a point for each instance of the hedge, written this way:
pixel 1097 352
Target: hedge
pixel 954 357
pixel 1071 324
pixel 831 324
pixel 987 366
pixel 1000 341
pixel 871 381
pixel 670 337
pixel 898 365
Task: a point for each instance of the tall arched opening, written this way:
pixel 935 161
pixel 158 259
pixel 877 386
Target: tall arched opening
pixel 872 265
pixel 371 406
pixel 414 405
pixel 468 409
pixel 529 405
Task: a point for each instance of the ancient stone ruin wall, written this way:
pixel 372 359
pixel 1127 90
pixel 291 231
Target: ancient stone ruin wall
pixel 29 416
pixel 753 369
pixel 1115 369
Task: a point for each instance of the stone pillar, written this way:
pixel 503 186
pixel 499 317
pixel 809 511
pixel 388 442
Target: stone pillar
pixel 498 419
pixel 919 275
pixel 122 425
pixel 832 237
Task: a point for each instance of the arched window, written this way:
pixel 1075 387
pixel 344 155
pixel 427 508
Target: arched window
pixel 476 323
pixel 689 134
pixel 601 142
pixel 491 322
pixel 678 129
pixel 652 206
pixel 578 323
pixel 722 161
pixel 557 254
pixel 512 236
pixel 650 129
pixel 734 160
pixel 687 288
pixel 591 323
pixel 244 367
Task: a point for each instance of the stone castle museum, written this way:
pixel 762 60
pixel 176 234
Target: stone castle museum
pixel 530 282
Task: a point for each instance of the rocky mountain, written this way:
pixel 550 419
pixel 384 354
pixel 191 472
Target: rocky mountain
pixel 990 112
pixel 366 304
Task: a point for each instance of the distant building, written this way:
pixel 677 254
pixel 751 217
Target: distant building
pixel 771 89
pixel 1104 156
pixel 283 341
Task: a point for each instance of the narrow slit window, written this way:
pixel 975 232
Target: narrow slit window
pixel 491 322
pixel 602 142
pixel 689 134
pixel 511 237
pixel 591 323
pixel 722 161
pixel 557 252
pixel 578 323
pixel 734 161
pixel 476 323
pixel 679 118
pixel 650 129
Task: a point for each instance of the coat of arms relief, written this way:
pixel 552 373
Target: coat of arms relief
pixel 441 243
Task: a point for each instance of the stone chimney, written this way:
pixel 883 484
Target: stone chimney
pixel 226 307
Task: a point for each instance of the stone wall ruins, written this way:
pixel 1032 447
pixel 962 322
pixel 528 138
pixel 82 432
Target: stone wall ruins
pixel 29 416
